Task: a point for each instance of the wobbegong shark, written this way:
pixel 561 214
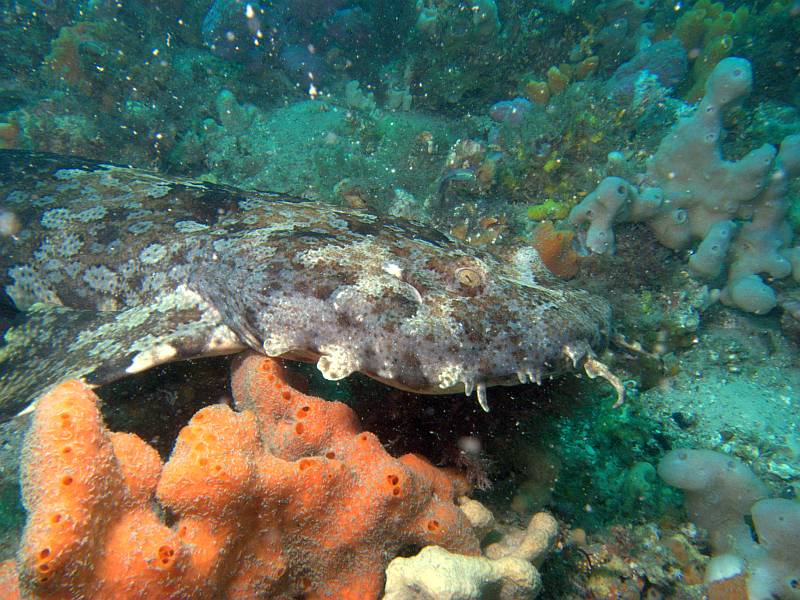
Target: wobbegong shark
pixel 111 270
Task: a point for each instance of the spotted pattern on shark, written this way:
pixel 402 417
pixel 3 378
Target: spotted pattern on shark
pixel 115 269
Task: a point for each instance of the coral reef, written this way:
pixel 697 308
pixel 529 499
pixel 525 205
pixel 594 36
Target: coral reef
pixel 631 561
pixel 621 28
pixel 307 41
pixel 284 497
pixel 246 145
pixel 236 30
pixel 510 111
pixel 543 159
pixel 490 120
pixel 464 40
pixel 549 209
pixel 556 79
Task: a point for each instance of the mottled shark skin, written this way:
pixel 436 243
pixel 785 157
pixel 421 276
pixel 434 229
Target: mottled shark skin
pixel 115 270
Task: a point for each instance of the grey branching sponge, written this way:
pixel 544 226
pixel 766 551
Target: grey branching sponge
pixel 720 493
pixel 718 489
pixel 734 210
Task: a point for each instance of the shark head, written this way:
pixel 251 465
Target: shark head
pixel 410 307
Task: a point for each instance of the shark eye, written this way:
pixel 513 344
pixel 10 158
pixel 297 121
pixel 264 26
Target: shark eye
pixel 468 278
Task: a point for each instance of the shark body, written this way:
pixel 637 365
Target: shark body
pixel 111 270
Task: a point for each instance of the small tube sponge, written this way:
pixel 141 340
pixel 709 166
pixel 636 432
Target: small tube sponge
pixel 709 258
pixel 614 200
pixel 530 545
pixel 508 571
pixel 730 80
pixel 793 256
pixel 601 208
pixel 789 156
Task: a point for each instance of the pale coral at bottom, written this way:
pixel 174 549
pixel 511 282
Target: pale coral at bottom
pixel 283 498
pixel 507 570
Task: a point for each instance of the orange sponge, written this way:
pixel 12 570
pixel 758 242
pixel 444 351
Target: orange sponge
pixel 70 478
pixel 555 249
pixel 284 498
pixel 9 589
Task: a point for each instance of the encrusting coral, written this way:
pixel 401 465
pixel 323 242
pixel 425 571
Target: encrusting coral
pixel 283 497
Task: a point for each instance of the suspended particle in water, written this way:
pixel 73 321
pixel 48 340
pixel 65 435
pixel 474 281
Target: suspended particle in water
pixel 10 224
